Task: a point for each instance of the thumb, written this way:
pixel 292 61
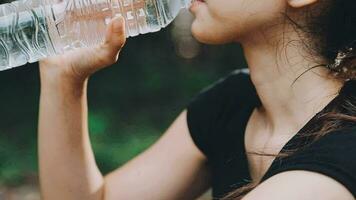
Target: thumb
pixel 115 37
pixel 103 55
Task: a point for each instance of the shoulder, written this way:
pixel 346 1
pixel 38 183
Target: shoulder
pixel 333 156
pixel 217 103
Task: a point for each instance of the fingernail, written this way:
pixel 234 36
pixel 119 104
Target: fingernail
pixel 117 24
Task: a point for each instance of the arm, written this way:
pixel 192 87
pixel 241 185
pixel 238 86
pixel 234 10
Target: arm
pixel 173 168
pixel 300 185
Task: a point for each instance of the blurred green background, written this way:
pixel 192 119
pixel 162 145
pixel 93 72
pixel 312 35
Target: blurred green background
pixel 131 103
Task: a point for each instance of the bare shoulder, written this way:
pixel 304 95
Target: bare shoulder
pixel 300 185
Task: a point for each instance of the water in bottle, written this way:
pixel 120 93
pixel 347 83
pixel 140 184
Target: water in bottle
pixel 34 29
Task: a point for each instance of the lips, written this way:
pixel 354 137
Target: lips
pixel 196 4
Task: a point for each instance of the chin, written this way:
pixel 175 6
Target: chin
pixel 210 35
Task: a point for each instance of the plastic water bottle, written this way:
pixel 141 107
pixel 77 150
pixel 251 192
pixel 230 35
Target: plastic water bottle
pixel 34 29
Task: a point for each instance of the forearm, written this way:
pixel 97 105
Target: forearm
pixel 67 164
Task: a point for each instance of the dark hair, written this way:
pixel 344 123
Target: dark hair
pixel 330 29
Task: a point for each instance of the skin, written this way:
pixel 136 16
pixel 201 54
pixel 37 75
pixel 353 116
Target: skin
pixel 173 168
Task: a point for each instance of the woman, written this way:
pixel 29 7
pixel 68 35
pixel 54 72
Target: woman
pixel 285 130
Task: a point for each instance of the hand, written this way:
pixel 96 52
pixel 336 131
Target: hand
pixel 78 65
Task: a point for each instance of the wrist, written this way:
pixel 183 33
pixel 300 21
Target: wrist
pixel 54 74
pixel 59 82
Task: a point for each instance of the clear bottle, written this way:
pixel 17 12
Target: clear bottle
pixel 34 29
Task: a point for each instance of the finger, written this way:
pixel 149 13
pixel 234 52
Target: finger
pixel 95 58
pixel 103 55
pixel 115 36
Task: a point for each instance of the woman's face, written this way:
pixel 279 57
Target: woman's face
pixel 222 21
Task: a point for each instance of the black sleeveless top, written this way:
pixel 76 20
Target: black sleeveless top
pixel 217 118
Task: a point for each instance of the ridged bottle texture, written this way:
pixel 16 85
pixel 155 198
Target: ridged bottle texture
pixel 34 29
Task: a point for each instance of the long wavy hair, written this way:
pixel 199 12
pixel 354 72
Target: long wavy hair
pixel 330 30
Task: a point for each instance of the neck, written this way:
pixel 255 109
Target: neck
pixel 287 104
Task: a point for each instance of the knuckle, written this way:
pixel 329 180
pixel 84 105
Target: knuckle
pixel 106 58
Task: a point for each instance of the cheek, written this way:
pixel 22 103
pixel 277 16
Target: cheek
pixel 223 21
